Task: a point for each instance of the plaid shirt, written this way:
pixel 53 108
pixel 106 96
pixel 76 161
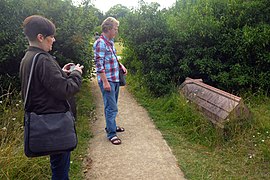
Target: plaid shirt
pixel 105 59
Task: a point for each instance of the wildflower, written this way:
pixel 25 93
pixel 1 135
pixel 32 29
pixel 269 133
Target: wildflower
pixel 4 128
pixel 258 133
pixel 71 162
pixel 17 105
pixel 253 136
pixel 262 140
pixel 251 156
pixel 255 145
pixel 266 132
pixel 13 119
pixel 20 101
pixel 1 102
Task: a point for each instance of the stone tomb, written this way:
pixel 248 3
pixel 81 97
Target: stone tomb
pixel 217 105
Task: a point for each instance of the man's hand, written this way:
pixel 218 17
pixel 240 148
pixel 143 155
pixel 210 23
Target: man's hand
pixel 124 69
pixel 106 86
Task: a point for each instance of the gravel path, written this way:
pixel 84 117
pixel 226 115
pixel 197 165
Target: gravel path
pixel 143 154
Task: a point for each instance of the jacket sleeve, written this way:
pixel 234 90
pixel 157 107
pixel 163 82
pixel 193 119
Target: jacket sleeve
pixel 55 81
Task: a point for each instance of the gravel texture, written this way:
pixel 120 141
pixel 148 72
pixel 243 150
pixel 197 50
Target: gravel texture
pixel 143 154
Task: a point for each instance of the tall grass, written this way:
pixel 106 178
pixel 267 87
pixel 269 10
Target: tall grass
pixel 14 164
pixel 202 151
pixel 85 115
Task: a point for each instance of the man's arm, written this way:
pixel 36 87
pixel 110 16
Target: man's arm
pixel 99 50
pixel 124 68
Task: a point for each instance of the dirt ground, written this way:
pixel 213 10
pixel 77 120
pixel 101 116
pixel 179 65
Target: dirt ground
pixel 143 154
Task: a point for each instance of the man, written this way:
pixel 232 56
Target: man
pixel 108 67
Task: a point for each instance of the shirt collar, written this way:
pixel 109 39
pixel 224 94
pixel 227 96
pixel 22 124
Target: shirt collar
pixel 109 40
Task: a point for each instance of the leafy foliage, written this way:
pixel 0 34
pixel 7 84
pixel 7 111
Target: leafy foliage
pixel 142 34
pixel 226 43
pixel 118 11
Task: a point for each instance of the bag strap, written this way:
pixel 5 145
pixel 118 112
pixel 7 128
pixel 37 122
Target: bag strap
pixel 30 78
pixel 111 49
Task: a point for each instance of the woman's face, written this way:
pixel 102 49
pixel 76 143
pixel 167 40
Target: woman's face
pixel 48 42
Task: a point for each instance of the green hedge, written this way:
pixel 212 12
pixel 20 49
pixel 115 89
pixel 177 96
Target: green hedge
pixel 226 43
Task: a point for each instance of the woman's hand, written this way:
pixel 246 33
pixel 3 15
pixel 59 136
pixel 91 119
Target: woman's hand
pixel 67 67
pixel 79 68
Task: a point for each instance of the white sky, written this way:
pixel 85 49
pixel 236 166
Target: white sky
pixel 105 5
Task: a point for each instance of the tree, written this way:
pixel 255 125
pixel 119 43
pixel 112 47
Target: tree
pixel 118 11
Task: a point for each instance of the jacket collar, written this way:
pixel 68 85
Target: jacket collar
pixel 36 49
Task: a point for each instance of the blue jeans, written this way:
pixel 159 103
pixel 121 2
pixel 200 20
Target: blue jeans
pixel 60 166
pixel 110 99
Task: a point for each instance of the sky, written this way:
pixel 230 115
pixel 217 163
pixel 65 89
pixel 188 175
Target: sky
pixel 105 5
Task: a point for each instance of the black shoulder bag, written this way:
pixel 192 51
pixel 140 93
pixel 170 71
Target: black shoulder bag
pixel 46 134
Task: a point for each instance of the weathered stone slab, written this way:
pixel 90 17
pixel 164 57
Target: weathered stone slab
pixel 217 105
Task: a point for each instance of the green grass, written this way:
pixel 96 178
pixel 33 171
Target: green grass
pixel 15 165
pixel 85 109
pixel 201 150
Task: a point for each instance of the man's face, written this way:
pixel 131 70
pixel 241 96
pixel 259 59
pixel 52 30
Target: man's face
pixel 114 31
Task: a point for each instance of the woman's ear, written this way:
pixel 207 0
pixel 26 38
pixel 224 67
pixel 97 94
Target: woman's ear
pixel 40 37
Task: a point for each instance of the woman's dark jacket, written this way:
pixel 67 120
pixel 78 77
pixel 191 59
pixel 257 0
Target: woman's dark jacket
pixel 50 86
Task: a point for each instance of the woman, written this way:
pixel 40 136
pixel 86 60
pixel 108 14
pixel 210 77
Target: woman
pixel 51 87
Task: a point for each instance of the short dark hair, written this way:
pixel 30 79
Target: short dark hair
pixel 35 24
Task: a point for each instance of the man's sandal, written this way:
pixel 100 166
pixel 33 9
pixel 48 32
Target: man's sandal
pixel 118 129
pixel 115 140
